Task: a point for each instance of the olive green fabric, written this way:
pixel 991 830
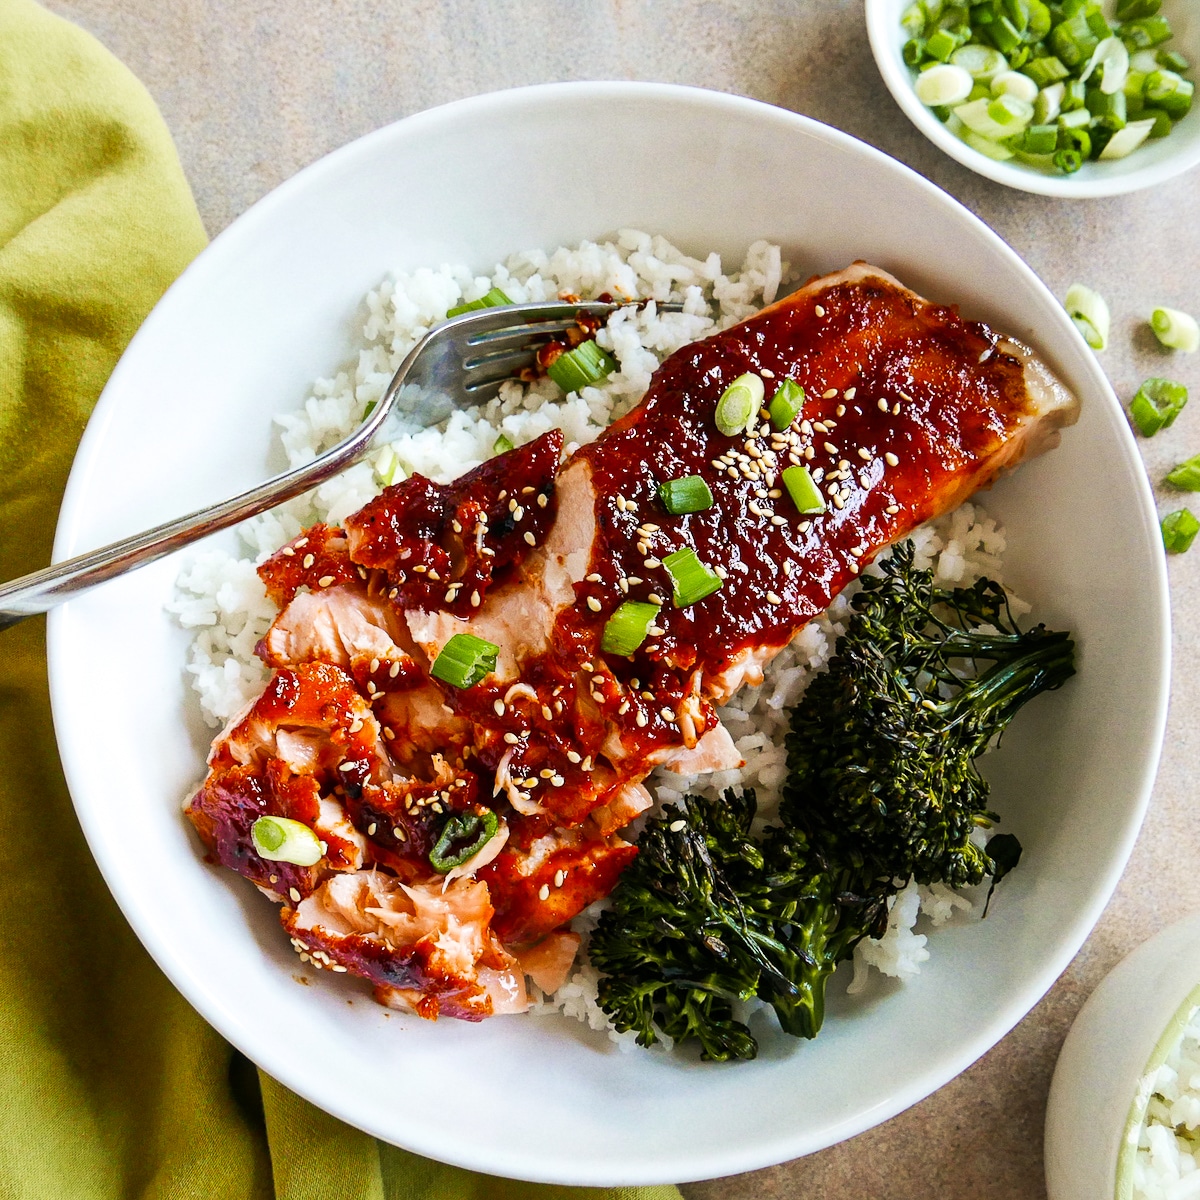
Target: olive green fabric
pixel 111 1086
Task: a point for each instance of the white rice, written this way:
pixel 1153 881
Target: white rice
pixel 221 598
pixel 1167 1163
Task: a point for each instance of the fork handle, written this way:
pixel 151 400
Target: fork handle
pixel 40 591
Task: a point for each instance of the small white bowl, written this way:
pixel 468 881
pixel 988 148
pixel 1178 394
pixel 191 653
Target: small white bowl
pixel 1122 1034
pixel 1154 162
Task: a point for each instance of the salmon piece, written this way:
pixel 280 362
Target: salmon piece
pixel 908 409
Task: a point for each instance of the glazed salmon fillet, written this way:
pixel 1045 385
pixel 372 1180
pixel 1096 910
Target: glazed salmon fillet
pixel 908 410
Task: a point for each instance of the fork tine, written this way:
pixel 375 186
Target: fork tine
pixel 497 366
pixel 509 334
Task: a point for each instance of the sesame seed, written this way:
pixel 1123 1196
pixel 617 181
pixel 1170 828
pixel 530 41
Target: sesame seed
pixel 594 604
pixel 393 593
pixel 434 576
pixel 288 551
pixel 390 734
pixel 720 572
pixel 767 374
pixel 544 892
pixel 774 598
pixel 301 542
pixel 643 547
pixel 830 448
pixel 511 738
pixel 883 406
pixel 906 396
pixel 654 598
pixel 667 715
pixel 864 454
pixel 893 509
pixel 593 578
pixel 840 410
pixel 559 876
pixel 541 501
pixel 546 772
pixel 573 756
pixel 529 783
pixel 650 528
pixel 891 459
pixel 732 472
pixel 895 409
pixel 754 508
pixel 650 564
pixel 774 494
pixel 295 895
pixel 498 705
pixel 546 713
pixel 623 584
pixel 308 560
pixel 819 310
pixel 778 520
pixel 809 453
pixel 838 502
pixel 518 513
pixel 641 719
pixel 530 540
pixel 399 834
pixel 476 599
pixel 556 781
pixel 451 592
pixel 371 829
pixel 850 393
pixel 804 527
pixel 857 551
pixel 587 763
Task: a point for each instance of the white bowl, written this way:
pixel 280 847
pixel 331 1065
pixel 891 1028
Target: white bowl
pixel 1153 162
pixel 1124 1032
pixel 271 305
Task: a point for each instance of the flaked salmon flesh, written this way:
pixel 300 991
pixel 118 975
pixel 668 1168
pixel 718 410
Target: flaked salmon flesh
pixel 908 411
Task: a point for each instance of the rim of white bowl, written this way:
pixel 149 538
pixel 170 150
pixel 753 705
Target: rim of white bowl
pixel 885 46
pixel 696 1162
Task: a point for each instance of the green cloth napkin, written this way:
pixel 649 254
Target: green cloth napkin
pixel 111 1086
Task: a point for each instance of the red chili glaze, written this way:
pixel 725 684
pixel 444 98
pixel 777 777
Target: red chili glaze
pixel 952 398
pixel 443 545
pixel 318 558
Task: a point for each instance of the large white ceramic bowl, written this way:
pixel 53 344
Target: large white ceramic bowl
pixel 1122 1035
pixel 1152 163
pixel 275 302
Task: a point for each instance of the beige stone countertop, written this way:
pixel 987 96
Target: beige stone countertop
pixel 253 90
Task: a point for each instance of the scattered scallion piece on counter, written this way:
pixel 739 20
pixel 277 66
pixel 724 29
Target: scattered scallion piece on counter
pixel 576 369
pixel 1176 330
pixel 805 494
pixel 464 660
pixel 738 404
pixel 628 627
pixel 687 495
pixel 453 848
pixel 280 839
pixel 493 299
pixel 1157 403
pixel 691 580
pixel 502 445
pixel 1179 530
pixel 786 404
pixel 1186 476
pixel 1089 311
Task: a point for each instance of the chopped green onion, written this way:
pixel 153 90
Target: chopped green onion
pixel 502 445
pixel 1048 104
pixel 1075 97
pixel 1146 33
pixel 738 404
pixel 1073 41
pixel 1162 122
pixel 1010 113
pixel 1171 60
pixel 805 494
pixel 387 467
pixel 786 404
pixel 1090 314
pixel 691 580
pixel 914 51
pixel 1176 330
pixel 1068 161
pixel 1015 83
pixel 983 62
pixel 573 370
pixel 464 660
pixel 628 627
pixel 1076 118
pixel 988 147
pixel 1186 476
pixel 944 84
pixel 1110 111
pixel 1111 58
pixel 280 839
pixel 941 45
pixel 1045 71
pixel 493 299
pixel 480 825
pixel 1133 10
pixel 1179 530
pixel 1157 403
pixel 1170 92
pixel 975 116
pixel 1004 35
pixel 1126 141
pixel 1096 22
pixel 1040 139
pixel 687 495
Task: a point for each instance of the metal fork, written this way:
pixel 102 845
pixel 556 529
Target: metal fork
pixel 459 363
